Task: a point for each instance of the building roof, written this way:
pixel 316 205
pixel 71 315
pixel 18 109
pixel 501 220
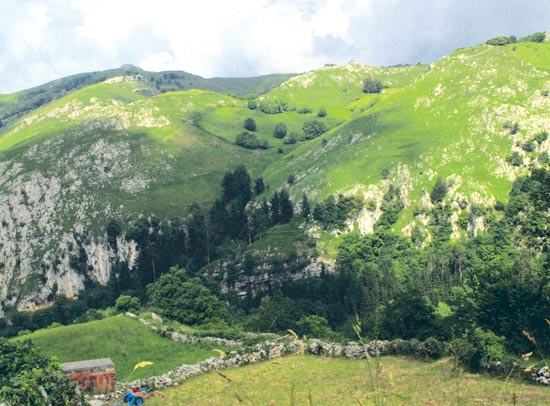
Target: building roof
pixel 92 365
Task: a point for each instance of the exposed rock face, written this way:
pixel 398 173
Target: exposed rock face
pixel 51 221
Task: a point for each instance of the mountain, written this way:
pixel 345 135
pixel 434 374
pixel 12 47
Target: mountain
pixel 121 148
pixel 15 105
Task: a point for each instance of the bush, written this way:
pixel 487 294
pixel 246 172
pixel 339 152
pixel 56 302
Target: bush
pixel 433 348
pixel 126 303
pixel 480 349
pixel 292 138
pixel 280 130
pixel 313 129
pixel 372 86
pixel 250 141
pixel 252 105
pixel 529 146
pixel 544 158
pixel 249 124
pixel 429 348
pixel 274 107
pixel 314 326
pixel 540 137
pixel 305 110
pixel 535 37
pixel 322 112
pixel 501 41
pixel 515 159
pixel 27 377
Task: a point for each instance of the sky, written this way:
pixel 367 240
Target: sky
pixel 42 40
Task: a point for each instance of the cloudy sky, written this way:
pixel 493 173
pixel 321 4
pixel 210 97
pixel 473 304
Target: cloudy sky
pixel 41 40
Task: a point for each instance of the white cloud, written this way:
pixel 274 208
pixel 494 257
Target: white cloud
pixel 45 39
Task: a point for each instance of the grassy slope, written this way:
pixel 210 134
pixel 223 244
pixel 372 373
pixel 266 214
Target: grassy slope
pixel 135 154
pixel 447 122
pixel 124 340
pixel 16 104
pixel 333 382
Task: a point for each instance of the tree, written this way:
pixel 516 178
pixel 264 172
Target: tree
pixel 439 191
pixel 249 124
pixel 280 130
pixel 185 299
pixel 259 186
pixel 252 105
pixel 285 206
pixel 27 377
pixel 236 183
pixel 276 313
pixel 313 129
pixel 322 112
pixel 306 209
pixel 114 229
pixel 372 86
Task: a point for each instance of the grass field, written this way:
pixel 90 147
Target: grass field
pixel 308 380
pixel 125 341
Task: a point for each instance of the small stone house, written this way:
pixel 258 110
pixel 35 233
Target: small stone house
pixel 96 375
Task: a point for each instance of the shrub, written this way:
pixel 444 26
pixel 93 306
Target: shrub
pixel 305 110
pixel 252 105
pixel 314 326
pixel 280 130
pixel 250 141
pixel 500 41
pixel 126 303
pixel 480 349
pixel 27 377
pixel 292 138
pixel 535 37
pixel 544 158
pixel 274 107
pixel 529 146
pixel 515 159
pixel 313 129
pixel 372 86
pixel 249 124
pixel 540 137
pixel 322 112
pixel 433 348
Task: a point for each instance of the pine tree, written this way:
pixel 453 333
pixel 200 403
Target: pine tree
pixel 287 211
pixel 259 186
pixel 306 209
pixel 275 208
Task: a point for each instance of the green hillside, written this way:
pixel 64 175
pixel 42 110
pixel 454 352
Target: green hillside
pixel 121 149
pixel 124 340
pixel 449 123
pixel 13 106
pixel 307 380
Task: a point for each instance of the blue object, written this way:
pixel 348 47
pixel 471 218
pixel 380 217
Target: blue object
pixel 132 400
